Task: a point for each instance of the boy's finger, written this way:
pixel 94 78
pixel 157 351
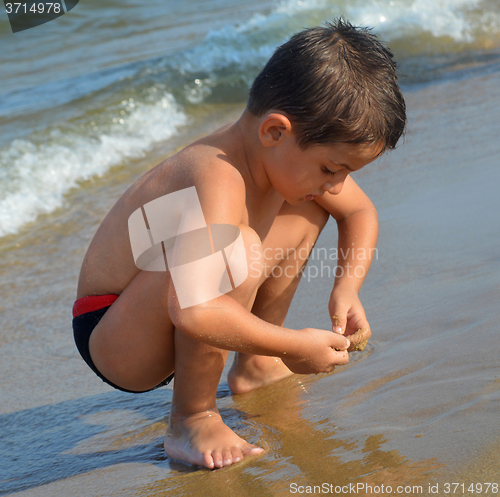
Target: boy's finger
pixel 341 357
pixel 362 323
pixel 356 322
pixel 340 342
pixel 338 323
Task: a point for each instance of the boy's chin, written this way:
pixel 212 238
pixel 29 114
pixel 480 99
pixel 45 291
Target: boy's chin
pixel 296 201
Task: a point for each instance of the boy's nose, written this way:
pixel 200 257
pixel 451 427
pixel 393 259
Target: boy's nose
pixel 335 187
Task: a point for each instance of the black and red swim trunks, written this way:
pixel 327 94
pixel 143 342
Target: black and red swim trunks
pixel 87 312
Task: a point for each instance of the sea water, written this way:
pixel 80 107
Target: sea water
pixel 106 82
pixel 90 101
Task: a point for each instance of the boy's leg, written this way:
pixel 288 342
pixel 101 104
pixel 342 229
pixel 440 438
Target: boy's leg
pixel 196 432
pixel 133 346
pixel 286 251
pixel 134 343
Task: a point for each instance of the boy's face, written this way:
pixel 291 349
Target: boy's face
pixel 301 175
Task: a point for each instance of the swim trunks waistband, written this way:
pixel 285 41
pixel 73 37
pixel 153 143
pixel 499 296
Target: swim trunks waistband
pixel 92 303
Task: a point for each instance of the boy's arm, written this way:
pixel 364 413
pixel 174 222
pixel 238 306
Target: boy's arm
pixel 225 323
pixel 357 224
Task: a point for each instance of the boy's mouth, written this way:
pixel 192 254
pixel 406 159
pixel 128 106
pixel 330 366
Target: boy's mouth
pixel 310 197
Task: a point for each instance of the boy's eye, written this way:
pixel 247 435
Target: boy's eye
pixel 327 171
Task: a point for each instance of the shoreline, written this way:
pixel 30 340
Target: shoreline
pixel 422 394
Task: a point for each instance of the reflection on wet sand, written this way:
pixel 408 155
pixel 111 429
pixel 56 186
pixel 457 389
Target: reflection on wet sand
pixel 300 452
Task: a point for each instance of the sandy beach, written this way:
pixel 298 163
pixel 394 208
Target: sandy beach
pixel 416 410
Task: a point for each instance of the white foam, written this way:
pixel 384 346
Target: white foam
pixel 35 176
pixel 439 17
pixel 252 42
pixel 459 19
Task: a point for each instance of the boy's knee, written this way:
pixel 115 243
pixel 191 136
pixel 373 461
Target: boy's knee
pixel 317 217
pixel 250 238
pixel 253 252
pixel 253 259
pixel 309 222
pixel 323 217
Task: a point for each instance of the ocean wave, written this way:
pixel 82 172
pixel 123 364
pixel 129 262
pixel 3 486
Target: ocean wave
pixel 35 175
pixel 159 94
pixel 230 58
pixel 461 20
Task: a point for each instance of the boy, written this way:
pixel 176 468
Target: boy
pixel 326 104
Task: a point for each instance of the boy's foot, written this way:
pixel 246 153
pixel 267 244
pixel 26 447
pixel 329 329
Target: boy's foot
pixel 204 440
pixel 249 372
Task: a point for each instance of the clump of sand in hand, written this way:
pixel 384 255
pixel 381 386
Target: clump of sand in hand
pixel 359 340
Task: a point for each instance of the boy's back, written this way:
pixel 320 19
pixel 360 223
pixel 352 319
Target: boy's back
pixel 109 264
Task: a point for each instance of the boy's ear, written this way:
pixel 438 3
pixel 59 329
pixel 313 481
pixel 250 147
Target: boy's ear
pixel 274 128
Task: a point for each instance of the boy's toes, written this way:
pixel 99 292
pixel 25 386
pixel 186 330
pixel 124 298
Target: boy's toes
pixel 222 458
pixel 208 460
pixel 252 450
pixel 217 458
pixel 227 457
pixel 237 454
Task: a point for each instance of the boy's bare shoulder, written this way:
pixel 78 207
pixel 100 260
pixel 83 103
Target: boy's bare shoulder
pixel 205 159
pixel 203 164
pixel 214 172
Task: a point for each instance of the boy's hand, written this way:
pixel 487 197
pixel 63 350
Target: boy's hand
pixel 348 318
pixel 320 352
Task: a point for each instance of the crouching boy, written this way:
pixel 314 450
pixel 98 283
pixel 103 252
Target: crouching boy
pixel 203 253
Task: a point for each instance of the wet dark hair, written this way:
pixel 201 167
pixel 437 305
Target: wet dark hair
pixel 336 83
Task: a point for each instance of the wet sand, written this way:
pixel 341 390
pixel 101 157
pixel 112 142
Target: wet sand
pixel 418 406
